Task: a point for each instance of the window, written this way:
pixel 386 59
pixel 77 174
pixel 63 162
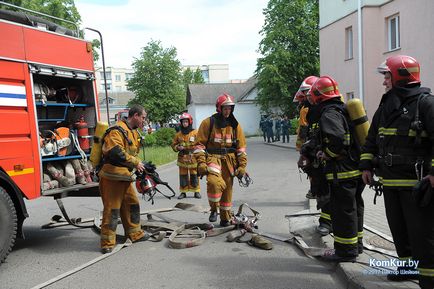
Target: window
pixel 118 88
pixel 205 75
pixel 103 87
pixel 108 75
pixel 128 76
pixel 117 77
pixel 393 33
pixel 349 42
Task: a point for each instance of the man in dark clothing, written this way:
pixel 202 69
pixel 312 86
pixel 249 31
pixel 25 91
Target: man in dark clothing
pixel 269 127
pixel 340 155
pixel 318 182
pixel 263 126
pixel 277 127
pixel 400 142
pixel 286 126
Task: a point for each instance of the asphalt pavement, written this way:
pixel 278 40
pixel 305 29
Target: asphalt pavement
pixel 363 274
pixel 277 190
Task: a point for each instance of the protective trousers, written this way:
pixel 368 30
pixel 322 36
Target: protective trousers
pixel 325 218
pixel 119 200
pixel 188 180
pixel 219 190
pixel 412 230
pixel 347 216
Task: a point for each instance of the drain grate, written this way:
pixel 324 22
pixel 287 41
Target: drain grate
pixel 379 242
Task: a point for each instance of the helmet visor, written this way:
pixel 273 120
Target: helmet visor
pixel 383 68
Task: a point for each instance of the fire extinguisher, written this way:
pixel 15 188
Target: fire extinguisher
pixel 83 134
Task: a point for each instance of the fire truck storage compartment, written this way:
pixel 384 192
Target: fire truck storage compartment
pixel 64 105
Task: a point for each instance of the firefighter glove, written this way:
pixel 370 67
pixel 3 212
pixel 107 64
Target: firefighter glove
pixel 240 172
pixel 202 169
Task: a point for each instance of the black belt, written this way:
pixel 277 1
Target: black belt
pixel 391 159
pixel 221 151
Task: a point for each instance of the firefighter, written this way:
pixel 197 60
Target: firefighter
pixel 120 148
pixel 399 150
pixel 340 154
pixel 183 143
pixel 221 155
pixel 303 124
pixel 313 168
pixel 303 108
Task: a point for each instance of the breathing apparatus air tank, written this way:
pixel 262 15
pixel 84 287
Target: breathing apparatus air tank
pixel 96 152
pixel 358 117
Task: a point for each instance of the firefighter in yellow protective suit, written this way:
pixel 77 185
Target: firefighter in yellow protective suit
pixel 221 155
pixel 183 143
pixel 302 128
pixel 120 148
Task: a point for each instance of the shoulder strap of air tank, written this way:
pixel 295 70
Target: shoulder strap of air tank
pixel 118 128
pixel 211 125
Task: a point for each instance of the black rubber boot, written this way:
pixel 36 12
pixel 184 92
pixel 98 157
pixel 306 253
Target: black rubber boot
pixel 182 196
pixel 213 216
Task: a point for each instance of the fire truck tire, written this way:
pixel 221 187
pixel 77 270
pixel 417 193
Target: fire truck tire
pixel 8 224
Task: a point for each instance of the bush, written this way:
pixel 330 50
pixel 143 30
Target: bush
pixel 294 126
pixel 164 136
pixel 150 140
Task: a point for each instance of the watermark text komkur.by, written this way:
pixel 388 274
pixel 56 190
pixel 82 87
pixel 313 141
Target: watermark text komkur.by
pixel 385 267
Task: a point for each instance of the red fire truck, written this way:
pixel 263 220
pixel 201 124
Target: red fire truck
pixel 48 113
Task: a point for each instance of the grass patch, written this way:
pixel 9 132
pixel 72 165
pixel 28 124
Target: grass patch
pixel 159 155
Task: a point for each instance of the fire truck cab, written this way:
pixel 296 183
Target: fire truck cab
pixel 48 114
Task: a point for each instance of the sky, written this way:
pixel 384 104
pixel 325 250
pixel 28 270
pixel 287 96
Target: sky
pixel 203 31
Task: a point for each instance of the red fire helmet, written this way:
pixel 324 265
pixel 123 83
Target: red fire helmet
pixel 186 116
pixel 404 69
pixel 323 89
pixel 223 100
pixel 307 83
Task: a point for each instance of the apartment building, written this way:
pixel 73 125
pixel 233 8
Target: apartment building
pixel 212 73
pixel 388 27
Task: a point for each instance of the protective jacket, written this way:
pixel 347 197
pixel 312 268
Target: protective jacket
pixel 224 142
pixel 340 168
pixel 336 138
pixel 188 141
pixel 188 179
pixel 221 145
pixel 399 143
pixel 302 128
pixel 120 153
pixel 120 149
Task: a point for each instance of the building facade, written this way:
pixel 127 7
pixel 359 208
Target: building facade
pixel 116 78
pixel 212 73
pixel 389 27
pixel 201 100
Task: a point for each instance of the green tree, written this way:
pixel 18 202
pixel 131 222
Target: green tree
pixel 157 82
pixel 189 77
pixel 198 77
pixel 290 51
pixel 64 9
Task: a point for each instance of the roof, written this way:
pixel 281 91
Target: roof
pixel 207 93
pixel 121 98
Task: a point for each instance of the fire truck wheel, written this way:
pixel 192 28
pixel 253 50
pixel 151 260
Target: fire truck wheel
pixel 8 224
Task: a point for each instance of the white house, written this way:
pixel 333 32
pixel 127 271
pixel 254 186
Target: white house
pixel 201 100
